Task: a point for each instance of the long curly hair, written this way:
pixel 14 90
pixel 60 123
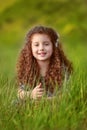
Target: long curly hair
pixel 27 66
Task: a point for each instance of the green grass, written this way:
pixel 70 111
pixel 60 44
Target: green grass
pixel 64 113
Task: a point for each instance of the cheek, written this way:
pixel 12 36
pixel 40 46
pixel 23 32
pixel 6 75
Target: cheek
pixel 34 49
pixel 51 50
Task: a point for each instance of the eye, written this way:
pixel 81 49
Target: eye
pixel 46 43
pixel 36 45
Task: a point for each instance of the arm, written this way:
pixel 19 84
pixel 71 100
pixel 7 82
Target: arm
pixel 36 93
pixel 22 94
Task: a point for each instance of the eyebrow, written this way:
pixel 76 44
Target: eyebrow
pixel 42 42
pixel 35 42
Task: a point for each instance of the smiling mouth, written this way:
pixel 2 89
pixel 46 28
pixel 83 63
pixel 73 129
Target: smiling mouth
pixel 42 54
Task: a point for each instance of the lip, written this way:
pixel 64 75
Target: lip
pixel 42 53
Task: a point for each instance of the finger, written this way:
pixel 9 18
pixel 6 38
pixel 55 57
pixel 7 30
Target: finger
pixel 39 96
pixel 40 89
pixel 40 93
pixel 40 85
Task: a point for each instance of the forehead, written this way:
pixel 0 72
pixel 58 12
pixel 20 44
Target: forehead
pixel 38 37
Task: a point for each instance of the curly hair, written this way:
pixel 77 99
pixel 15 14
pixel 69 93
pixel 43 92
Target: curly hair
pixel 27 66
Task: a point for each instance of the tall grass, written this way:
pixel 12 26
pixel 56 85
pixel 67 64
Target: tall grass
pixel 67 111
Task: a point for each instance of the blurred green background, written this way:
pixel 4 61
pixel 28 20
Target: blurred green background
pixel 67 17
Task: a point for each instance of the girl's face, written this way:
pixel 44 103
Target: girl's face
pixel 42 47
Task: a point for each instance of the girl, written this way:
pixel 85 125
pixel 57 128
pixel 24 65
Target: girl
pixel 42 64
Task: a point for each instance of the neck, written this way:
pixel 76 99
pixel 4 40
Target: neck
pixel 43 67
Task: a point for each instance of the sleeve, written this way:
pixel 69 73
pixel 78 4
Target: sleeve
pixel 24 87
pixel 24 92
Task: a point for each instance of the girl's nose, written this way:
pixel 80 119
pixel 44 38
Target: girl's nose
pixel 41 47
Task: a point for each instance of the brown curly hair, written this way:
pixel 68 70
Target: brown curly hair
pixel 28 69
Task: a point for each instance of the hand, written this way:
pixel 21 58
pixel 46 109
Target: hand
pixel 37 92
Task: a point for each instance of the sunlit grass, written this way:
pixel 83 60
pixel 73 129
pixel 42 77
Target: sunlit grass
pixel 67 111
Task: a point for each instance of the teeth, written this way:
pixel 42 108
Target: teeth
pixel 42 54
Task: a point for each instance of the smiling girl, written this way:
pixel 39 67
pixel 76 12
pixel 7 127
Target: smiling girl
pixel 42 64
